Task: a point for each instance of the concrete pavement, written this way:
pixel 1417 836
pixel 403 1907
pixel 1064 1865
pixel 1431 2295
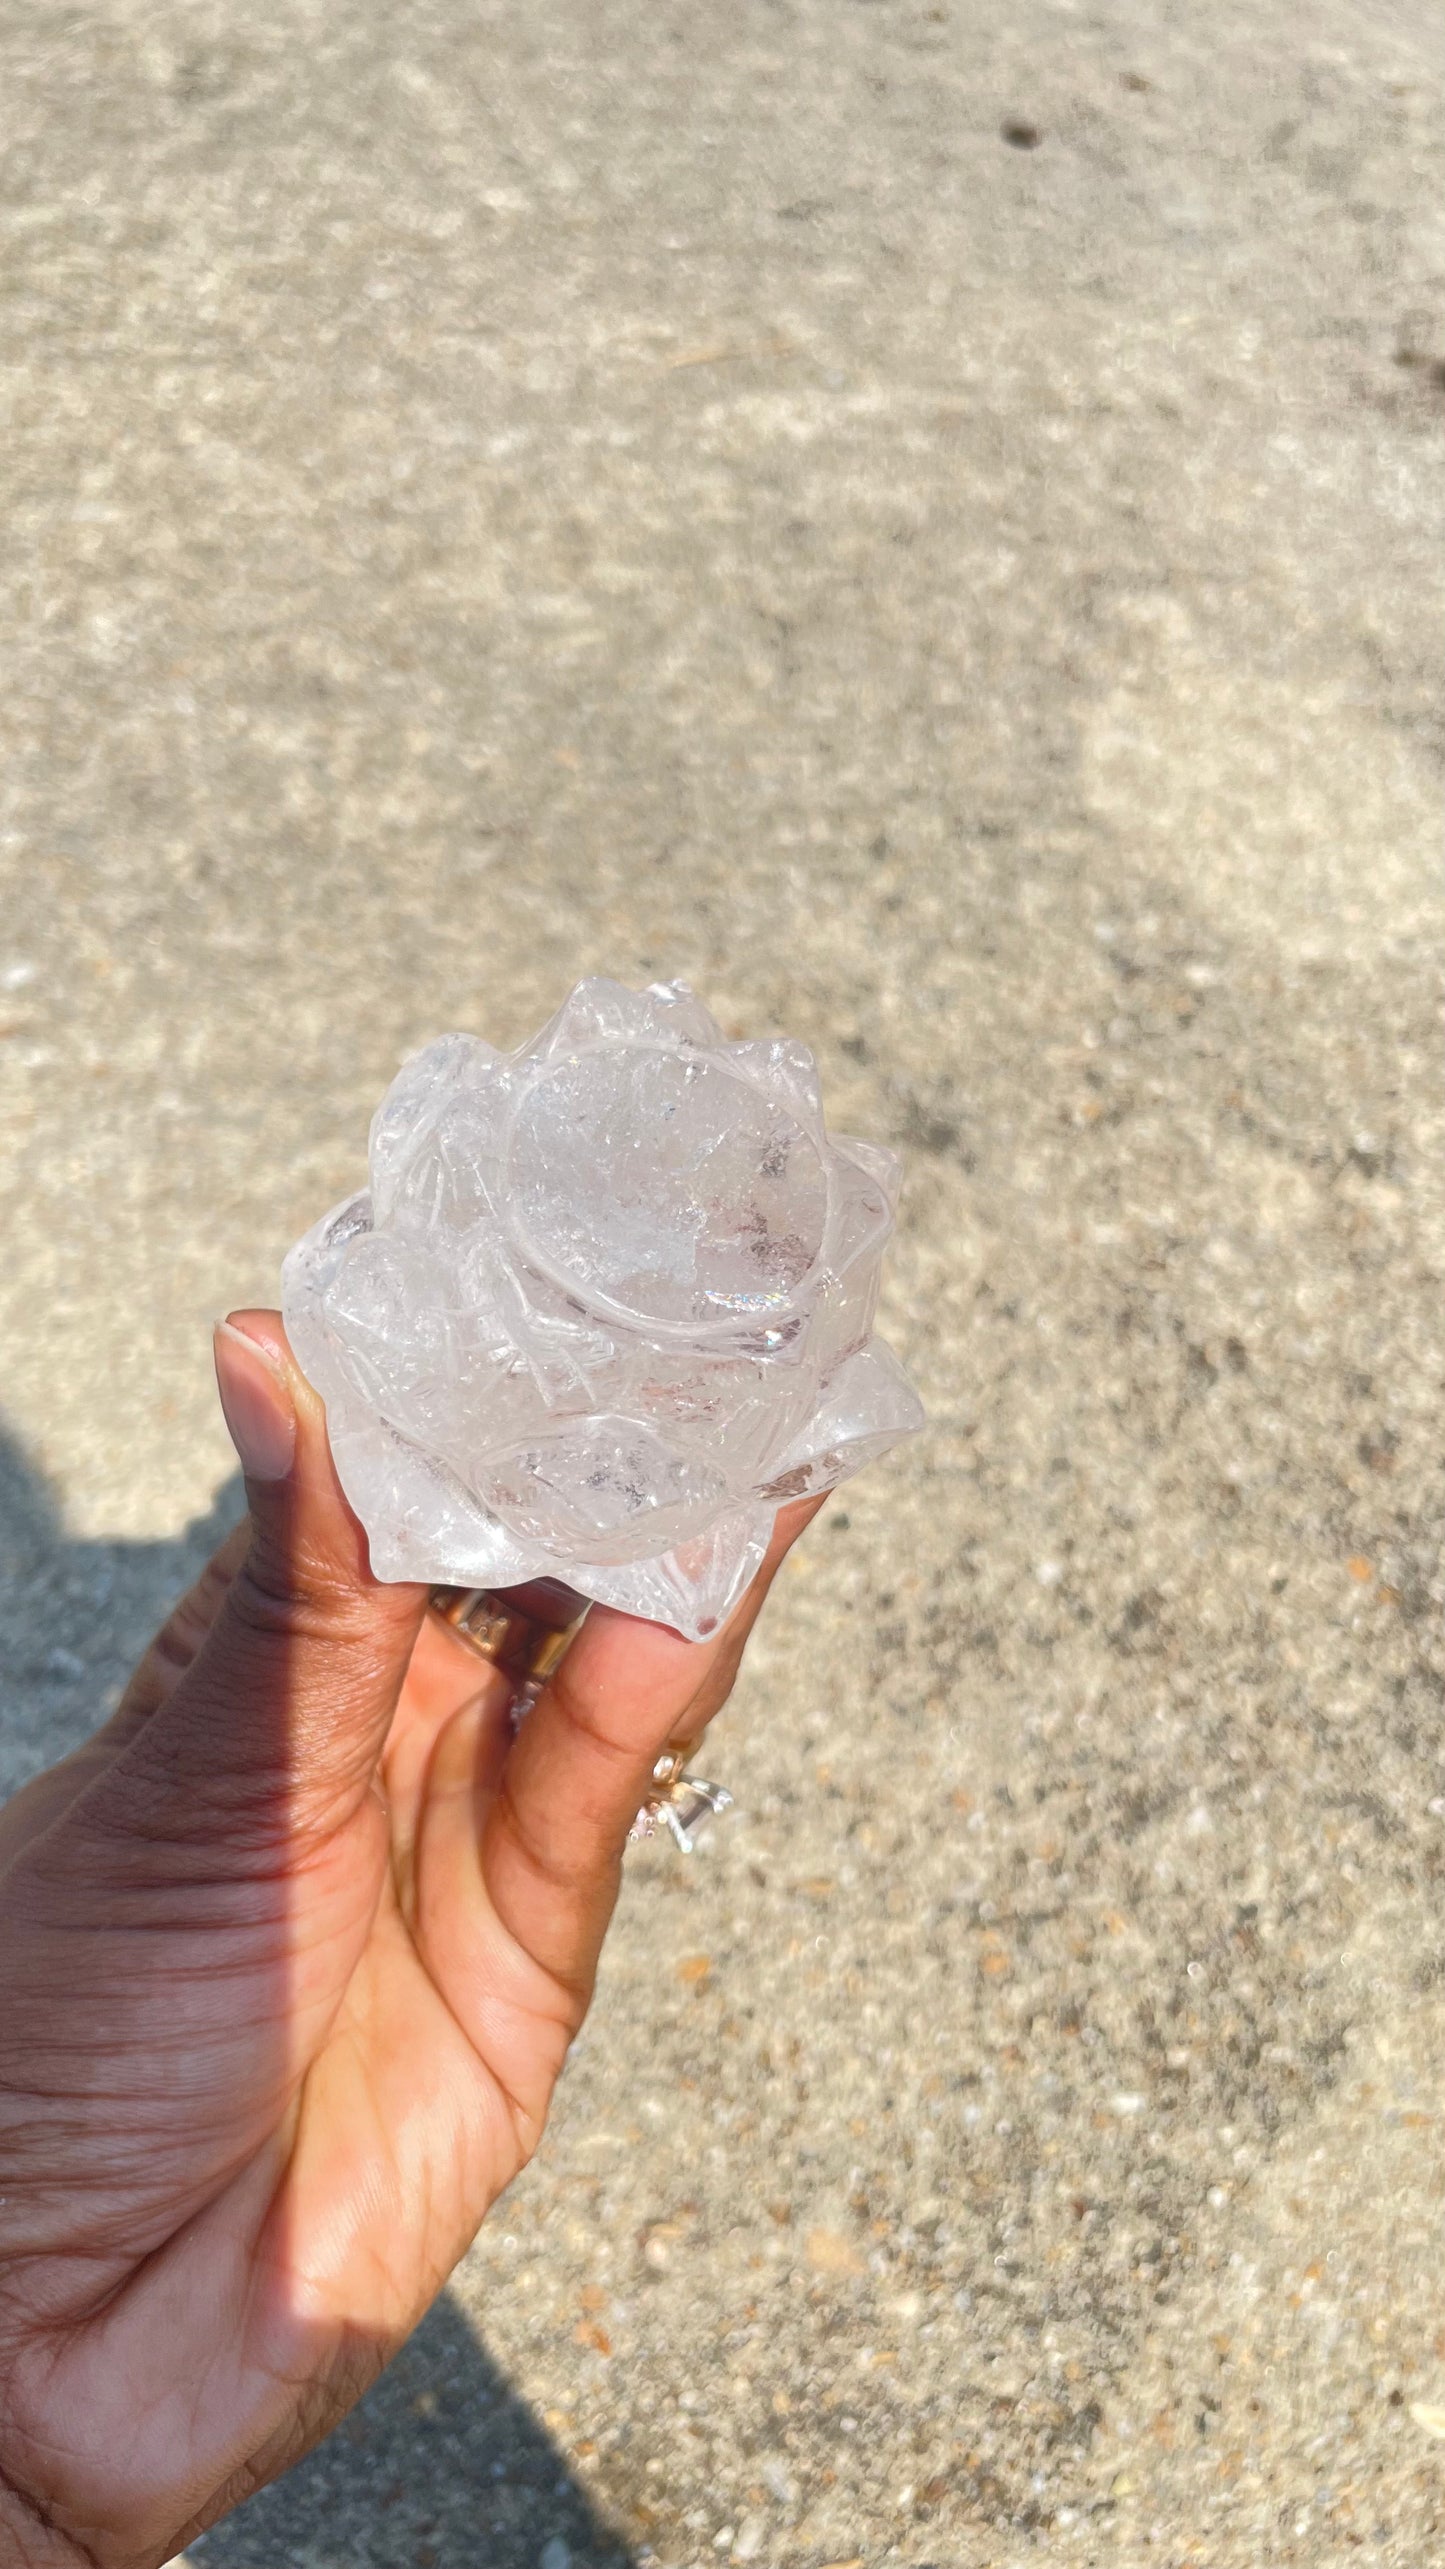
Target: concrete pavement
pixel 926 521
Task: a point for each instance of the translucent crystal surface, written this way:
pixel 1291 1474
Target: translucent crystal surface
pixel 607 1303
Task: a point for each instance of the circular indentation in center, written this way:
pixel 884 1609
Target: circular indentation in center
pixel 664 1185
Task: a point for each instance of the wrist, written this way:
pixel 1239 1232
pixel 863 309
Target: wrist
pixel 28 2542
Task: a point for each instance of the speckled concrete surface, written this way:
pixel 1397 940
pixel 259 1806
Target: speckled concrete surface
pixel 926 520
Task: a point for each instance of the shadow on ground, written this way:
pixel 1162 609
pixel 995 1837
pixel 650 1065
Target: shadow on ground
pixel 442 2465
pixel 75 1615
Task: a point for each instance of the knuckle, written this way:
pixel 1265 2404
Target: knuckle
pixel 565 1860
pixel 557 1871
pixel 601 1727
pixel 276 1595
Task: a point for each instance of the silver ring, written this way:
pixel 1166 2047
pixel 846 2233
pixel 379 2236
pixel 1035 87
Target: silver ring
pixel 684 1805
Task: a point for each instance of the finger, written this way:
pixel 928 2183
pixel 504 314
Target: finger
pixel 446 1677
pixel 720 1676
pixel 447 1670
pixel 444 1673
pixel 184 1631
pixel 583 1764
pixel 277 1723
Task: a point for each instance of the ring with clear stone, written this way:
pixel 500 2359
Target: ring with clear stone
pixel 528 1641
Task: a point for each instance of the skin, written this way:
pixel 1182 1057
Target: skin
pixel 294 1951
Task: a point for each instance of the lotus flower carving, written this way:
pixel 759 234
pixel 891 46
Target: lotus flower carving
pixel 605 1304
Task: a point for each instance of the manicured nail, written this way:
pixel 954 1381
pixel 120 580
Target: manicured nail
pixel 258 1407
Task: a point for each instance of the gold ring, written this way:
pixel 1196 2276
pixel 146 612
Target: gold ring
pixel 528 1641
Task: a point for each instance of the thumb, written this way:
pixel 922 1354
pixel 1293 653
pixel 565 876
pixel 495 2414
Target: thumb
pixel 280 1719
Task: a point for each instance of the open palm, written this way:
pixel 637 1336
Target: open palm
pixel 294 1950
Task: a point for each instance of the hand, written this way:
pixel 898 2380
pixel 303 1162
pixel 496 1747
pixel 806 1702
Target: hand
pixel 294 1950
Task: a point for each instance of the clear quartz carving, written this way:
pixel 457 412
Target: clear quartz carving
pixel 607 1303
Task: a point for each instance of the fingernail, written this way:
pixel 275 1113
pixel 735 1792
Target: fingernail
pixel 258 1407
